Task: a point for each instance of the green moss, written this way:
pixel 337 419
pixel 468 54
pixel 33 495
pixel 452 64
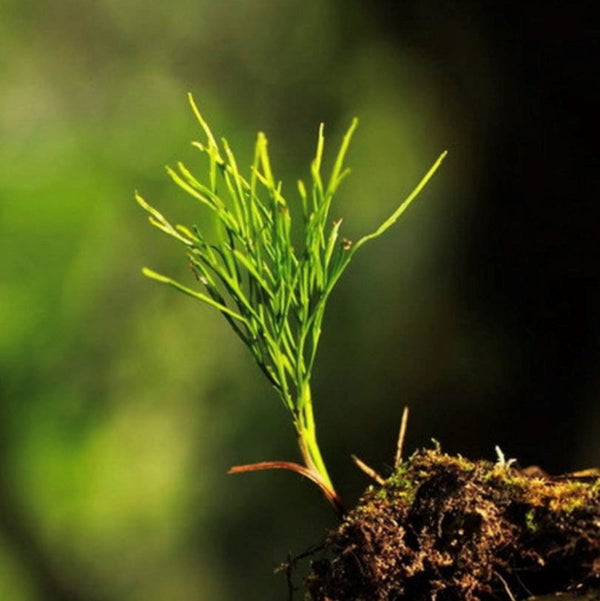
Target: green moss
pixel 530 521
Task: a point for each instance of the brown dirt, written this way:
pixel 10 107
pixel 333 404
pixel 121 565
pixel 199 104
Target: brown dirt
pixel 443 528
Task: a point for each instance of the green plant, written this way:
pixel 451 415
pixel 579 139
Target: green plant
pixel 272 294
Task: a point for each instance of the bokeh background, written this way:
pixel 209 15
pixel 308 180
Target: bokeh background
pixel 122 403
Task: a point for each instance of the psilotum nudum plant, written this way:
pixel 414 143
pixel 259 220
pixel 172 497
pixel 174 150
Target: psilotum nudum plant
pixel 272 291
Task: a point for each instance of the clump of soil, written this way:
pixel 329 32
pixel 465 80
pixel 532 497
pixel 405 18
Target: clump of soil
pixel 443 528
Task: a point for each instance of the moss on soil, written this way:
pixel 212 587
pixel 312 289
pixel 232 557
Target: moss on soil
pixel 443 528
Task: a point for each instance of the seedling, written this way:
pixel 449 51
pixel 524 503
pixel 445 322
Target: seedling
pixel 438 526
pixel 272 293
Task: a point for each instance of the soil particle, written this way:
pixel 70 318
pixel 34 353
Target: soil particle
pixel 443 528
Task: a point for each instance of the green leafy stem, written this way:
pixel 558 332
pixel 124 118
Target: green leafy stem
pixel 273 295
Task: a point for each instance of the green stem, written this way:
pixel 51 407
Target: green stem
pixel 307 437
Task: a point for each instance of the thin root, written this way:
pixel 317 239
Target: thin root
pixel 368 470
pixel 329 494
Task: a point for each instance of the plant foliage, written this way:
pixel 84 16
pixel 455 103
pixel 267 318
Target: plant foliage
pixel 272 294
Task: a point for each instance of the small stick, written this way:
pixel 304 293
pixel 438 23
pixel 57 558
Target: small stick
pixel 401 437
pixel 368 470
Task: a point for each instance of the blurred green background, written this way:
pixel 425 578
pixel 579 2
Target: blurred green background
pixel 122 403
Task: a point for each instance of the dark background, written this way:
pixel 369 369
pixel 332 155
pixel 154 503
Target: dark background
pixel 122 404
pixel 532 259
